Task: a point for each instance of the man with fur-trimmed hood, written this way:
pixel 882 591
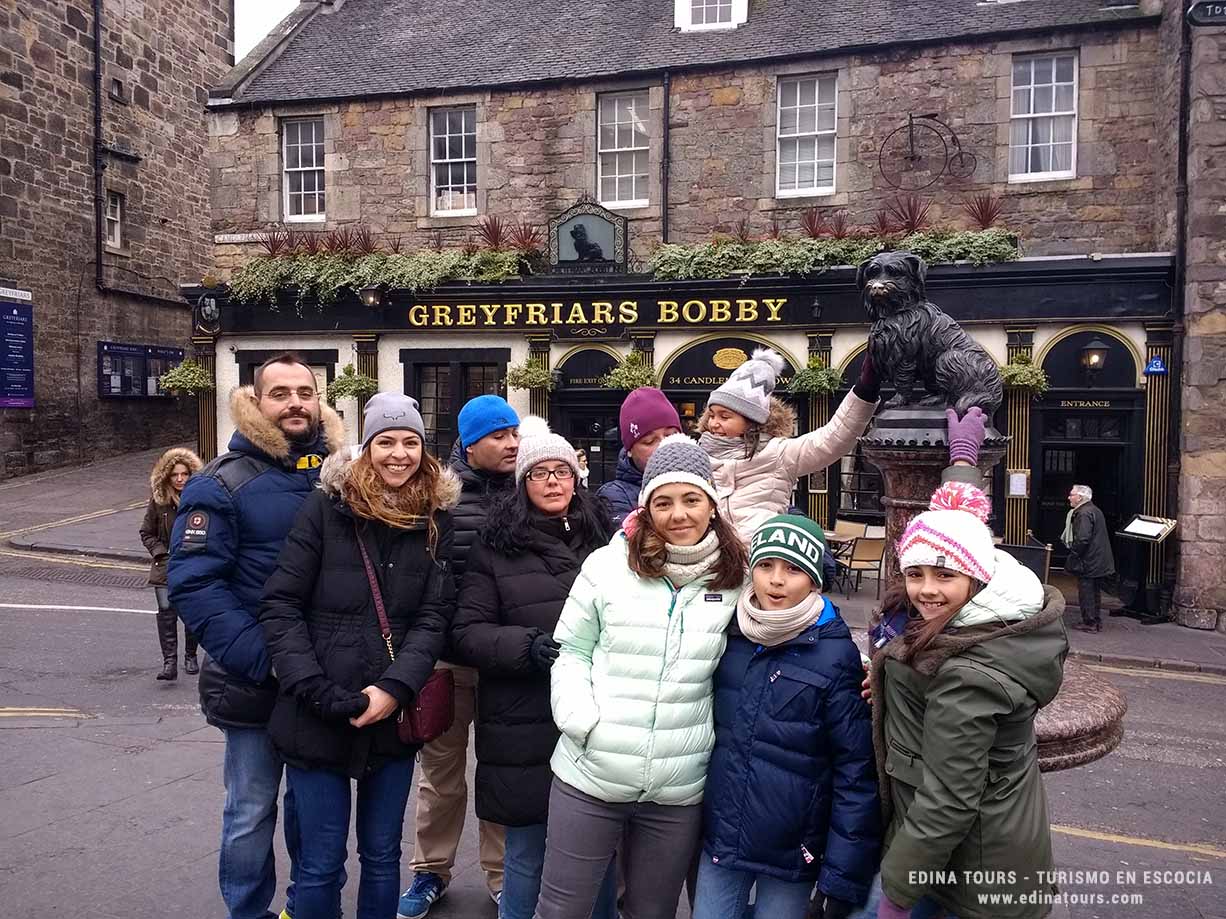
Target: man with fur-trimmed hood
pixel 233 518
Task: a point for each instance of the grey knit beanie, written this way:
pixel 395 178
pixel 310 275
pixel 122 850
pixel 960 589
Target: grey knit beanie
pixel 391 411
pixel 748 391
pixel 537 444
pixel 678 459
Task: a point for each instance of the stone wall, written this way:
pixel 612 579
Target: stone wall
pixel 536 150
pixel 166 55
pixel 1200 597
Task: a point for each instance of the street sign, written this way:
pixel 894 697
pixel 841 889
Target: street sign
pixel 1205 13
pixel 1156 367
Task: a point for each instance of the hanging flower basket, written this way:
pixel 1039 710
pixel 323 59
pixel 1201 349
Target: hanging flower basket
pixel 351 385
pixel 188 379
pixel 530 375
pixel 631 372
pixel 816 379
pixel 1022 373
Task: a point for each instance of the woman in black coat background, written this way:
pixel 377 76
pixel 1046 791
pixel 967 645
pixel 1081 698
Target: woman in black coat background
pixel 518 577
pixel 341 683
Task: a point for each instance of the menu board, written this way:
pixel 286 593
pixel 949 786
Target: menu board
pixel 132 371
pixel 16 349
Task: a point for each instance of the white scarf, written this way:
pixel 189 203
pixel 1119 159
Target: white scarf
pixel 689 563
pixel 775 626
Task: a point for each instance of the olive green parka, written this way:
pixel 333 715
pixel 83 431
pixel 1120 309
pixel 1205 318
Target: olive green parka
pixel 957 756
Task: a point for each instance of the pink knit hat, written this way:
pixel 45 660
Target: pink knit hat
pixel 952 534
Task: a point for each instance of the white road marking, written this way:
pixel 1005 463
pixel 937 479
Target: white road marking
pixel 78 609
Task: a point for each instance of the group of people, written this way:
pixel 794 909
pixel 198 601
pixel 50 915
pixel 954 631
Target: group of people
pixel 663 696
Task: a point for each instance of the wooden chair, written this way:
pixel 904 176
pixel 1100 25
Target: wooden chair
pixel 846 532
pixel 866 555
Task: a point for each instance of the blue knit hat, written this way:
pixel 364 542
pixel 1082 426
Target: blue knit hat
pixel 484 415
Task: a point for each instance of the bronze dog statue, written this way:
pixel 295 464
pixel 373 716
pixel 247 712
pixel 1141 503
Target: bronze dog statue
pixel 916 348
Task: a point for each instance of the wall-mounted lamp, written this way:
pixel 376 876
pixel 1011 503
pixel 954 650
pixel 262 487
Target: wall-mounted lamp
pixel 372 296
pixel 1094 355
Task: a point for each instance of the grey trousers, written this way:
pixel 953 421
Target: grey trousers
pixel 583 834
pixel 1089 598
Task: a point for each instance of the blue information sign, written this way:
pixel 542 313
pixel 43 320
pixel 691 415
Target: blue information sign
pixel 1156 367
pixel 16 351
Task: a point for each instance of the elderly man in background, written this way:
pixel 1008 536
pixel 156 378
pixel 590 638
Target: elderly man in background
pixel 1089 557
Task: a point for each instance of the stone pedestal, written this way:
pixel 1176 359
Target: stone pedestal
pixel 1085 721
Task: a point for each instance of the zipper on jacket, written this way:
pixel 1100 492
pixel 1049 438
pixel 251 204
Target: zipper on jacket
pixel 655 708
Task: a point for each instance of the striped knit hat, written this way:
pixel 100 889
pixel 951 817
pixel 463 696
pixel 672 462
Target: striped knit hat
pixel 953 534
pixel 748 390
pixel 678 459
pixel 795 539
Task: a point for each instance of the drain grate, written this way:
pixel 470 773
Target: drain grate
pixel 88 578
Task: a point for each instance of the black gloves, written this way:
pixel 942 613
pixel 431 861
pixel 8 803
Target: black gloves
pixel 837 909
pixel 544 651
pixel 330 701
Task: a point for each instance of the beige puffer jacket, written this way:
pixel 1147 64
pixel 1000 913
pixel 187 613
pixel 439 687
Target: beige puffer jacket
pixel 753 490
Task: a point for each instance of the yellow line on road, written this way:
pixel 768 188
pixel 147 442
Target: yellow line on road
pixel 1193 848
pixel 1211 678
pixel 80 518
pixel 72 560
pixel 42 713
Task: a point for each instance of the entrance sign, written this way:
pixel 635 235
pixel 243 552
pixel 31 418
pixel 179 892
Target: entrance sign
pixel 16 349
pixel 1155 367
pixel 588 239
pixel 1207 14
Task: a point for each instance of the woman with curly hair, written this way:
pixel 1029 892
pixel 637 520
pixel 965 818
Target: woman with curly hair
pixel 170 473
pixel 381 514
pixel 640 637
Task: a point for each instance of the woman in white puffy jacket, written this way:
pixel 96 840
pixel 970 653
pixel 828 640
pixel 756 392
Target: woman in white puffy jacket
pixel 747 432
pixel 640 636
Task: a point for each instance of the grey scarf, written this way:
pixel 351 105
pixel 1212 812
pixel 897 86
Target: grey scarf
pixel 720 447
pixel 774 627
pixel 689 563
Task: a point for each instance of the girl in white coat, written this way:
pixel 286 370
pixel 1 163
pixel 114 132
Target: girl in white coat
pixel 747 432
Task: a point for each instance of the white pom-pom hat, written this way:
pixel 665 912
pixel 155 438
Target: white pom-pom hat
pixel 748 391
pixel 537 444
pixel 952 534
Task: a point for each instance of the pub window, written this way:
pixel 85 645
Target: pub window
pixel 115 206
pixel 434 393
pixel 709 14
pixel 480 380
pixel 453 160
pixel 622 145
pixel 302 156
pixel 806 135
pixel 1043 123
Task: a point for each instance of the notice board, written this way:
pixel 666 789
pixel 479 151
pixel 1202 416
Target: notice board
pixel 127 371
pixel 16 349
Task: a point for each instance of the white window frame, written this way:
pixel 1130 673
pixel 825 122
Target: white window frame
pixel 436 211
pixel 1054 175
pixel 601 152
pixel 287 171
pixel 683 16
pixel 115 206
pixel 819 191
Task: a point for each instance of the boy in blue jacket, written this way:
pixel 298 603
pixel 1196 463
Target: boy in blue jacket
pixel 791 794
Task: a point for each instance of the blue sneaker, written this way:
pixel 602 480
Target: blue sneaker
pixel 427 889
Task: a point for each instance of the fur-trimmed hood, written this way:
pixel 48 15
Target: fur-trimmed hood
pixel 159 476
pixel 267 437
pixel 335 469
pixel 781 421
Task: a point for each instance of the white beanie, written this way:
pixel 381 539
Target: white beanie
pixel 537 444
pixel 748 391
pixel 953 534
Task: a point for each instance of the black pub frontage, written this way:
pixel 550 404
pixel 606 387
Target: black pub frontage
pixel 1101 328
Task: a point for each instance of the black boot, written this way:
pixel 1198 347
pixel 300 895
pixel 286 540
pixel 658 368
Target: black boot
pixel 190 664
pixel 170 670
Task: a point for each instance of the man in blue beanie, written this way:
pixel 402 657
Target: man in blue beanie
pixel 489 445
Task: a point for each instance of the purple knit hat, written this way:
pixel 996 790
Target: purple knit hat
pixel 644 410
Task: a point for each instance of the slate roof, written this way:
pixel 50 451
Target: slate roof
pixel 397 47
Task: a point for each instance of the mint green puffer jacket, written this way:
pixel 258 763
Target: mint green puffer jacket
pixel 631 689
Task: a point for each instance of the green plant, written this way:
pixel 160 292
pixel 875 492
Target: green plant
pixel 631 372
pixel 816 379
pixel 984 210
pixel 189 378
pixel 530 375
pixel 1024 374
pixel 351 384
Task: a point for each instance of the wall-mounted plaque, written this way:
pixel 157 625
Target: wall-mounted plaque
pixel 588 239
pixel 16 349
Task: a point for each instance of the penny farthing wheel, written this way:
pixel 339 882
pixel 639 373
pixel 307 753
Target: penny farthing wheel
pixel 914 156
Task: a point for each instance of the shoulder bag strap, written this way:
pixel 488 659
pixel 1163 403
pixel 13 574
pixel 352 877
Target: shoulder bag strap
pixel 384 625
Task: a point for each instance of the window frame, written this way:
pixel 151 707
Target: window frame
pixel 115 217
pixel 683 17
pixel 814 192
pixel 601 98
pixel 435 211
pixel 286 170
pixel 1053 175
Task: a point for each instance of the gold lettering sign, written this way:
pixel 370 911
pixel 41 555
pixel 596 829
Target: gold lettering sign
pixel 578 313
pixel 1084 403
pixel 729 358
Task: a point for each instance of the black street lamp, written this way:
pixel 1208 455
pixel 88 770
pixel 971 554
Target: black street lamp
pixel 1094 357
pixel 372 295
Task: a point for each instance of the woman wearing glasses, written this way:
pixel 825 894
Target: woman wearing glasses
pixel 517 580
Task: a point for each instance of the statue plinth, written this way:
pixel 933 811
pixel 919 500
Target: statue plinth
pixel 908 445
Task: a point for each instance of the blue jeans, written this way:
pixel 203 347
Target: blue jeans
pixel 521 879
pixel 246 870
pixel 323 800
pixel 723 893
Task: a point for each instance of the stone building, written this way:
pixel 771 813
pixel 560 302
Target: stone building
pixel 698 118
pixel 103 213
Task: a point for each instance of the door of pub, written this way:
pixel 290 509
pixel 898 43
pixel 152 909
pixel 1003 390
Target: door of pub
pixel 593 429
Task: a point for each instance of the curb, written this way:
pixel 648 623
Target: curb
pixel 118 555
pixel 1148 663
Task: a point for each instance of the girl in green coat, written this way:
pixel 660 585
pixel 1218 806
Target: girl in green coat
pixel 640 636
pixel 966 658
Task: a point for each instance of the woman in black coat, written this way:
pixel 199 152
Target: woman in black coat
pixel 341 682
pixel 518 577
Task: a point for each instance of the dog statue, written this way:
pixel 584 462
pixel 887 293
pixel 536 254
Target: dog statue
pixel 916 348
pixel 586 249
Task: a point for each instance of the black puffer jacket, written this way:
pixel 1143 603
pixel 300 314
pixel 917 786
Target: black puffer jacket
pixel 513 592
pixel 477 489
pixel 319 620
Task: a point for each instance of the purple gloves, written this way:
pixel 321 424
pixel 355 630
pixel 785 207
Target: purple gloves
pixel 887 909
pixel 868 387
pixel 966 435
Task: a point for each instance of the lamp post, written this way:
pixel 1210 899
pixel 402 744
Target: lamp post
pixel 1094 358
pixel 372 295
